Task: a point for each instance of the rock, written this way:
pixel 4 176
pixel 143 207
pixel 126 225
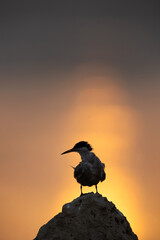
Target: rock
pixel 88 217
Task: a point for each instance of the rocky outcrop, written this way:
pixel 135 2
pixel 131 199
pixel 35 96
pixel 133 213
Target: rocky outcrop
pixel 88 217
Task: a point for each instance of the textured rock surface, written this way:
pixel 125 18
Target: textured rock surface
pixel 89 217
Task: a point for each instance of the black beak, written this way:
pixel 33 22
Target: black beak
pixel 68 151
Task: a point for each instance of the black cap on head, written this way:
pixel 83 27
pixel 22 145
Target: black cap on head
pixel 83 144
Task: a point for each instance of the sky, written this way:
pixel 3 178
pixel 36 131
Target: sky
pixel 72 71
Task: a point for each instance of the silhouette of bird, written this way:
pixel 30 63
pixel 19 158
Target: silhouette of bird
pixel 90 170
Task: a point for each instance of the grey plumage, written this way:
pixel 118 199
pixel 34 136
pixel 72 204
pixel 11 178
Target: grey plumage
pixel 90 171
pixel 87 175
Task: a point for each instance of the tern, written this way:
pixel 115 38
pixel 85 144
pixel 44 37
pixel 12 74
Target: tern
pixel 90 171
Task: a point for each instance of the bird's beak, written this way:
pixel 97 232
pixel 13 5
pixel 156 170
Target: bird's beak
pixel 68 151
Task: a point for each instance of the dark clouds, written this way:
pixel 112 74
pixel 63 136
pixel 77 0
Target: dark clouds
pixel 41 36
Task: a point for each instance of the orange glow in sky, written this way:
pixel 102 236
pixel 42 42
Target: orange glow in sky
pixel 40 124
pixel 112 129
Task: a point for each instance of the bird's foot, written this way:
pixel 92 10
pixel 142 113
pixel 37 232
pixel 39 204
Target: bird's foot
pixel 96 189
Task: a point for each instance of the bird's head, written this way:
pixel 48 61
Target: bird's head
pixel 80 147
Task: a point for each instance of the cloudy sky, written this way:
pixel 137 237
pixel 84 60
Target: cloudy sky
pixel 71 71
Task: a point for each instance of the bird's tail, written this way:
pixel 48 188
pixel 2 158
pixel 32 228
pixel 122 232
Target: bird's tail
pixel 103 176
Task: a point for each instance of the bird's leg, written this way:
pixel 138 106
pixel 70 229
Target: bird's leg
pixel 81 190
pixel 96 189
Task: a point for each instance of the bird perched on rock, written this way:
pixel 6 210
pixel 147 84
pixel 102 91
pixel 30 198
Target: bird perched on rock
pixel 90 170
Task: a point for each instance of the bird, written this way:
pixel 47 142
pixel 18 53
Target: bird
pixel 90 171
